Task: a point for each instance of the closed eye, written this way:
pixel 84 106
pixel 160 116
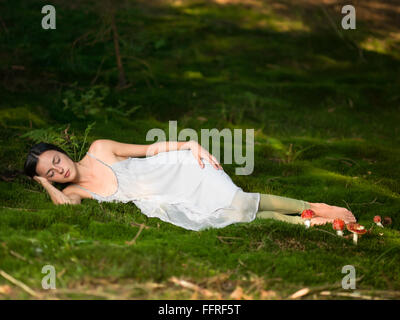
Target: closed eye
pixel 52 171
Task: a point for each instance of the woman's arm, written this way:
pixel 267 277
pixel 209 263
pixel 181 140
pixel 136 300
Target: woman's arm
pixel 57 196
pixel 198 151
pixel 165 146
pixel 139 150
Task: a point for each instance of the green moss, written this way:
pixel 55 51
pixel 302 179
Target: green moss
pixel 291 78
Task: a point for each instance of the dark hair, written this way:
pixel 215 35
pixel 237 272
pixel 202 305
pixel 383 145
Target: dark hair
pixel 34 153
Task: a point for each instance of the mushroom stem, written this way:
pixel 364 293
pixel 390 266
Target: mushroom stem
pixel 339 233
pixel 379 224
pixel 355 237
pixel 307 223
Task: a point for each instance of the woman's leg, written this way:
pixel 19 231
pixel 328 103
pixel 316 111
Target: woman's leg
pixel 272 206
pixel 279 208
pixel 279 216
pixel 269 202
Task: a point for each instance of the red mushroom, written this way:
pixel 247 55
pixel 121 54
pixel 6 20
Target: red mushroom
pixel 356 229
pixel 307 215
pixel 377 220
pixel 338 225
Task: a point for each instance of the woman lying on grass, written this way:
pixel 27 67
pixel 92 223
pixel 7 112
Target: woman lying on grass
pixel 172 183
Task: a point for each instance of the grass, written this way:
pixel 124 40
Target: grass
pixel 293 79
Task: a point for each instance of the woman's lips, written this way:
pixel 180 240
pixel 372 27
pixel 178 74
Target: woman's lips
pixel 67 174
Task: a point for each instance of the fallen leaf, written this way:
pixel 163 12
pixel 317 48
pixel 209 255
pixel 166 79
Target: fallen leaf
pixel 265 295
pixel 237 293
pixel 300 293
pixel 192 286
pixel 6 289
pixel 194 296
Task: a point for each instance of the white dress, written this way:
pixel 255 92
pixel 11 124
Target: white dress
pixel 174 188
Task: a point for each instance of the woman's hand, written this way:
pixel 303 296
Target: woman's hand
pixel 200 153
pixel 41 180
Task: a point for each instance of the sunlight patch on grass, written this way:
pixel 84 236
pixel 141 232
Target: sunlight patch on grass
pixel 281 24
pixel 374 44
pixel 276 144
pixel 363 185
pixel 327 62
pixel 260 136
pixel 212 67
pixel 196 11
pixel 383 46
pixel 252 19
pixel 193 75
pixel 322 173
pixel 14 117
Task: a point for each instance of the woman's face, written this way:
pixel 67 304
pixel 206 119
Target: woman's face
pixel 56 166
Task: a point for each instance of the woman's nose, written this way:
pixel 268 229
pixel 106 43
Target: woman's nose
pixel 60 170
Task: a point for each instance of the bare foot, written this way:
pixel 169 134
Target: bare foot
pixel 326 211
pixel 320 221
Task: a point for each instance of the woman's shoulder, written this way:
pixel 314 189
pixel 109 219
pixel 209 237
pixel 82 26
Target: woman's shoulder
pixel 99 146
pixel 101 150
